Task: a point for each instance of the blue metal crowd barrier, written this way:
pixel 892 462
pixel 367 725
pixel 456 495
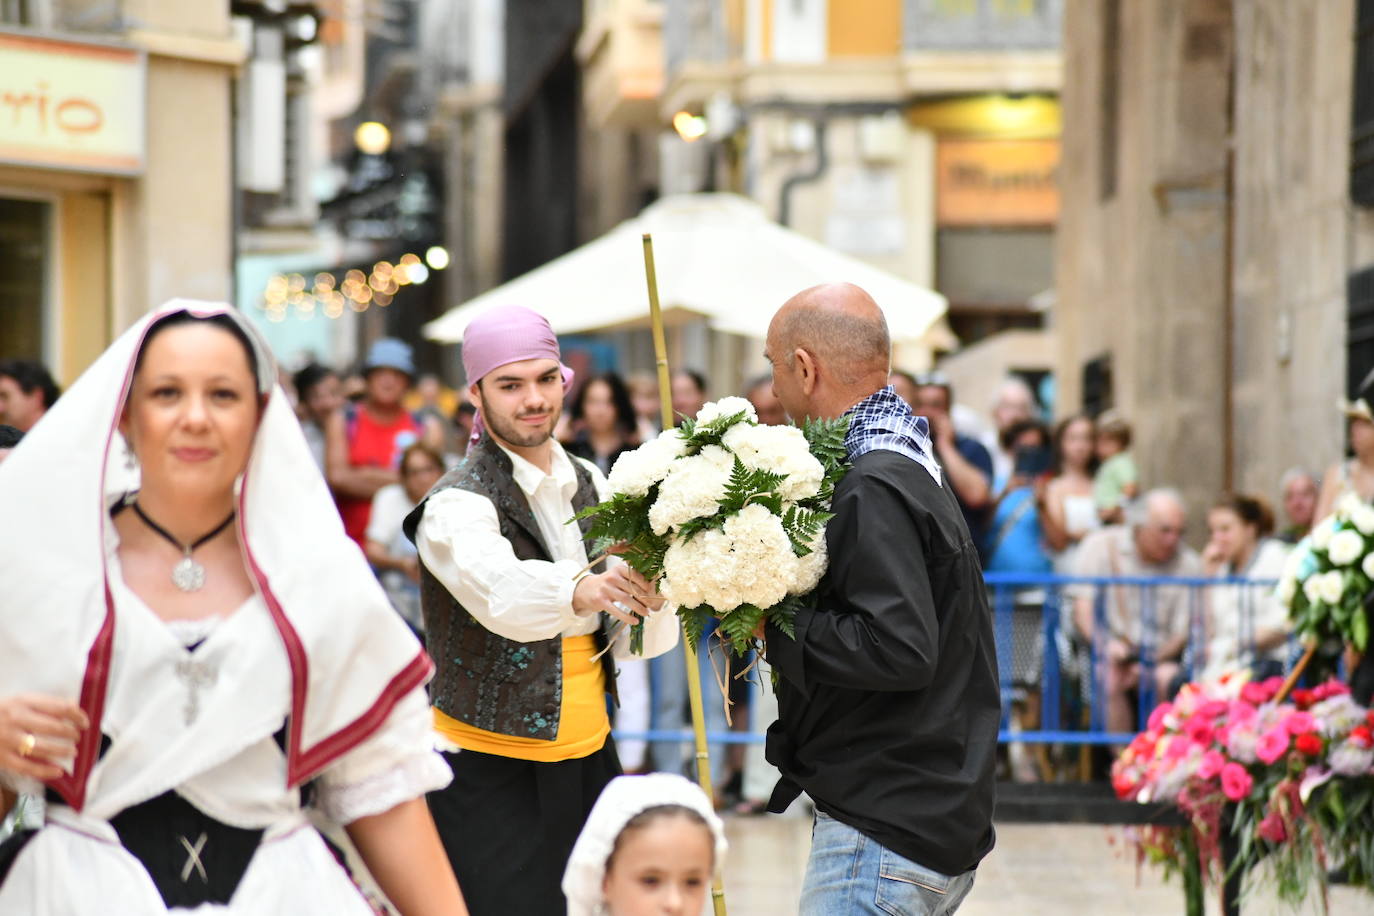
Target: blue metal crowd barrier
pixel 1051 674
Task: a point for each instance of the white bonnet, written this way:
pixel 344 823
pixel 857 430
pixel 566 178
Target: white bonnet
pixel 620 801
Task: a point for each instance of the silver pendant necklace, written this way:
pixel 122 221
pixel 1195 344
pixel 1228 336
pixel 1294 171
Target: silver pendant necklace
pixel 187 575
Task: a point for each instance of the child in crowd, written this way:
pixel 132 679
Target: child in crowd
pixel 650 846
pixel 1117 481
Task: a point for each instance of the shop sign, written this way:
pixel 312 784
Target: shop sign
pixel 71 105
pixel 997 182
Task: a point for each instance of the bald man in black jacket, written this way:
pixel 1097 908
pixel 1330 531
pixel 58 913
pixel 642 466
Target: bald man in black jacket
pixel 888 699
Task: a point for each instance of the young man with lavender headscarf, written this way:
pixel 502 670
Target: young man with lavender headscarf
pixel 518 626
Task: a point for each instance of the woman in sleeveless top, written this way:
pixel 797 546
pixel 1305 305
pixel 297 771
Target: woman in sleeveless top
pixel 1356 474
pixel 194 653
pixel 1070 512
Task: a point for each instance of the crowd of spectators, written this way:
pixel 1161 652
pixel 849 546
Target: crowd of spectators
pixel 1071 501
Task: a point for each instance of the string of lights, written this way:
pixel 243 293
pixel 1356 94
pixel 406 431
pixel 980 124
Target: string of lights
pixel 359 290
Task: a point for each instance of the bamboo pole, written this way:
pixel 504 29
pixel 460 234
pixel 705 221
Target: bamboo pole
pixel 665 394
pixel 1296 673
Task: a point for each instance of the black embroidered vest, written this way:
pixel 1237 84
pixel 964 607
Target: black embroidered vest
pixel 482 679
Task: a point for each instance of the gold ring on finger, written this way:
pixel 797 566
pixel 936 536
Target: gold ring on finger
pixel 27 744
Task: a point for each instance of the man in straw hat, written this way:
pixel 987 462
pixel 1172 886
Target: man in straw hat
pixel 888 701
pixel 519 625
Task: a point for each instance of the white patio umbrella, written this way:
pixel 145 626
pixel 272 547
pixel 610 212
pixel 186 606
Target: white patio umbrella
pixel 719 257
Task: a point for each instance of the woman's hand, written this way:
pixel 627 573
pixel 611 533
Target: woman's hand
pixel 1213 557
pixel 36 731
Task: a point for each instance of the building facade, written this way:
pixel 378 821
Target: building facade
pixel 919 135
pixel 1211 258
pixel 116 168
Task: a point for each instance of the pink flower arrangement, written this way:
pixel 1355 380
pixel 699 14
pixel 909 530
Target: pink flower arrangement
pixel 1236 781
pixel 1227 748
pixel 1272 745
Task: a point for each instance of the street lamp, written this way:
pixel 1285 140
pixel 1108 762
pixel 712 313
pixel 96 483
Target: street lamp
pixel 372 138
pixel 437 257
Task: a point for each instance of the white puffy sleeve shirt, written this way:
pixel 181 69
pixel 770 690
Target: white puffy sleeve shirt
pixel 460 542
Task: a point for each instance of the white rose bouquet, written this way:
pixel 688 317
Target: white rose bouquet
pixel 1329 575
pixel 727 514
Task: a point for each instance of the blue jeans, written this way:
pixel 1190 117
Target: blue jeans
pixel 850 874
pixel 668 677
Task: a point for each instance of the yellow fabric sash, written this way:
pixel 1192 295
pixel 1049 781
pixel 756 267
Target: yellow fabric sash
pixel 582 721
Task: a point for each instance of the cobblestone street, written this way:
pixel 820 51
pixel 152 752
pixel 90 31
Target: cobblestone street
pixel 1036 869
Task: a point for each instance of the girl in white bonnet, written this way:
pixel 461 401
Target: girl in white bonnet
pixel 650 848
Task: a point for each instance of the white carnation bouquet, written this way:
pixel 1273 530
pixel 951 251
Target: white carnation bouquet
pixel 729 515
pixel 1329 576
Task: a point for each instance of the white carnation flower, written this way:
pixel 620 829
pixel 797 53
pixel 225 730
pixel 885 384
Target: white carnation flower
pixel 681 583
pixel 1311 587
pixel 1330 586
pixel 1367 565
pixel 1348 505
pixel 1351 760
pixel 811 567
pixel 1363 519
pixel 693 489
pixel 725 407
pixel 782 450
pixel 1321 533
pixel 766 564
pixel 749 561
pixel 1345 548
pixel 635 472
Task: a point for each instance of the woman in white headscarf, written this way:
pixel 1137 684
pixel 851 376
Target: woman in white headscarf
pixel 194 650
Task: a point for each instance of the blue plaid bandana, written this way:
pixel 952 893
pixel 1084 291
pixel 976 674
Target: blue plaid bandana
pixel 883 420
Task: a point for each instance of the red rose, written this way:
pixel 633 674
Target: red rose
pixel 1302 698
pixel 1309 744
pixel 1362 736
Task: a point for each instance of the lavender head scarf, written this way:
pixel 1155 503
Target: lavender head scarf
pixel 504 335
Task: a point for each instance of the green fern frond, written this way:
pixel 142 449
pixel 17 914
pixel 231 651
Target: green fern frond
pixel 704 434
pixel 748 485
pixel 738 626
pixel 694 623
pixel 803 525
pixel 783 615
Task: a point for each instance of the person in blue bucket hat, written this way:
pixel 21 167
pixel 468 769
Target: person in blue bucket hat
pixel 364 443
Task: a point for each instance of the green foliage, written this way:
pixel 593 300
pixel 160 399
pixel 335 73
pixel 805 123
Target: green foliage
pixel 1346 620
pixel 738 626
pixel 750 486
pixel 784 615
pixel 803 526
pixel 826 439
pixel 694 623
pixel 699 435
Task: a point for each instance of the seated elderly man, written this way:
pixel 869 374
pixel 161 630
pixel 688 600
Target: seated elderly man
pixel 1149 544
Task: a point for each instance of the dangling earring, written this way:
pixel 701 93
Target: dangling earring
pixel 130 460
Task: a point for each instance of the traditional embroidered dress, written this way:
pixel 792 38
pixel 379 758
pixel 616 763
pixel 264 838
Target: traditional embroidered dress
pixel 187 790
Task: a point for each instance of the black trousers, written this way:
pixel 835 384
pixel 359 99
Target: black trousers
pixel 509 825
